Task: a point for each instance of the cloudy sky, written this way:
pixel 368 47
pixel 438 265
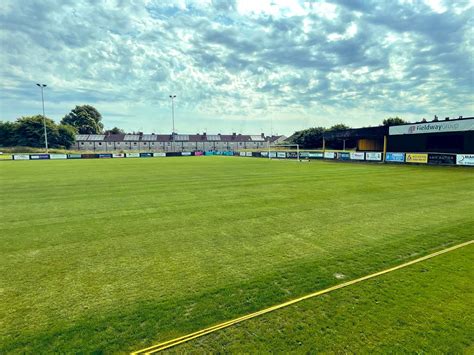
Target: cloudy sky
pixel 238 65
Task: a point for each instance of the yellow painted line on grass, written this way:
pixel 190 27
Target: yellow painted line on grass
pixel 188 337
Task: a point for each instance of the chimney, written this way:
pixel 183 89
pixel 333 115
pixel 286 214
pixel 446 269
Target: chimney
pixel 204 134
pixel 263 135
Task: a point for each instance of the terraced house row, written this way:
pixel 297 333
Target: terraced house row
pixel 174 142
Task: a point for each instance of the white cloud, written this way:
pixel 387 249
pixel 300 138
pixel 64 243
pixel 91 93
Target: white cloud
pixel 296 62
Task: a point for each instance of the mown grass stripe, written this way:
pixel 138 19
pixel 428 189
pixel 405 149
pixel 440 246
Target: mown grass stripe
pixel 185 338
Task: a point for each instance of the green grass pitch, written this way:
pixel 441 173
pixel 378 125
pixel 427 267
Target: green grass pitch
pixel 116 255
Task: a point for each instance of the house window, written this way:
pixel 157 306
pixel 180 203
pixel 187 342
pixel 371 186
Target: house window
pixel 82 143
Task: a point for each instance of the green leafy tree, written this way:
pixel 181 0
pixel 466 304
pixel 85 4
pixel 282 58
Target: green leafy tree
pixel 394 121
pixel 86 119
pixel 7 134
pixel 115 130
pixel 339 127
pixel 308 138
pixel 66 136
pixel 30 132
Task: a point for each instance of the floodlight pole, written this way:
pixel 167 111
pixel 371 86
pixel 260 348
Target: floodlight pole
pixel 42 86
pixel 172 97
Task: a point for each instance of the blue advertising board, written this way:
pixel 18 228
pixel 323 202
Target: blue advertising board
pixel 395 157
pixel 146 155
pixel 105 155
pixel 343 156
pixel 39 156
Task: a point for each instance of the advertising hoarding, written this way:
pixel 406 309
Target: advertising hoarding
pixel 21 157
pixel 281 155
pixel 160 154
pixel 316 155
pixel 433 127
pixel 105 156
pixel 343 156
pixel 465 159
pixel 39 156
pixel 373 156
pixel 418 158
pixel 186 154
pixel 118 155
pixel 74 156
pixel 264 154
pixel 357 156
pixel 329 155
pixel 395 157
pixel 146 155
pixel 442 159
pixel 248 154
pixel 58 156
pixel 132 155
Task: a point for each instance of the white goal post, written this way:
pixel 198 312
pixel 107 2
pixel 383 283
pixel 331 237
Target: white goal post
pixel 286 145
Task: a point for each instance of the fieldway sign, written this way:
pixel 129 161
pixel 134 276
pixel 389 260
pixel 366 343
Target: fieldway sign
pixel 433 127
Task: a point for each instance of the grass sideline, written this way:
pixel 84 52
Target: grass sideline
pixel 429 311
pixel 112 255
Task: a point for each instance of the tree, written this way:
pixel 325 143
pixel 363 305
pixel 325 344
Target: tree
pixel 115 130
pixel 66 136
pixel 394 121
pixel 308 138
pixel 7 134
pixel 86 119
pixel 30 131
pixel 339 127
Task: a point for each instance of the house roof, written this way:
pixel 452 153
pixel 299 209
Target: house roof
pixel 177 138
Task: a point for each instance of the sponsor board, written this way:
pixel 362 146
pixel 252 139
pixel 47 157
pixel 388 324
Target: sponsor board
pixel 173 154
pixel 465 159
pixel 304 155
pixel 21 157
pixel 186 154
pixel 132 155
pixel 74 156
pixel 264 154
pixel 272 155
pixel 395 157
pixel 292 155
pixel 357 156
pixel 39 156
pixel 441 159
pixel 256 154
pixel 316 155
pixel 281 155
pixel 433 127
pixel 146 155
pixel 160 154
pixel 89 156
pixel 118 155
pixel 198 154
pixel 6 157
pixel 373 156
pixel 343 156
pixel 329 155
pixel 248 154
pixel 102 156
pixel 58 156
pixel 242 154
pixel 418 158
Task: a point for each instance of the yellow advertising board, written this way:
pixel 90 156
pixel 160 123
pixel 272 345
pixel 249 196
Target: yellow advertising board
pixel 417 158
pixel 5 157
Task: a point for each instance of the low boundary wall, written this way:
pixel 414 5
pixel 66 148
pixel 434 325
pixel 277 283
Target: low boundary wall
pixel 372 157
